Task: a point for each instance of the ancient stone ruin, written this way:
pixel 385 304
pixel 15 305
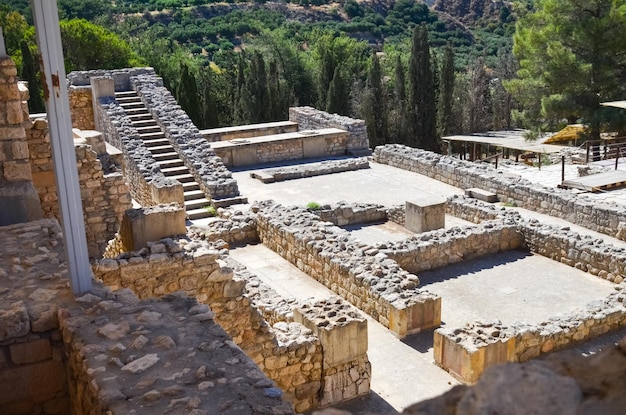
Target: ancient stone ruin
pixel 176 323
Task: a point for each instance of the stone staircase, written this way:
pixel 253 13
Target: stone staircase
pixel 164 153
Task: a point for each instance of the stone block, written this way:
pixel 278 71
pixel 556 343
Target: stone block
pixel 26 382
pixel 30 352
pixel 340 328
pixel 167 191
pixel 426 214
pixel 17 171
pixel 14 321
pixel 140 226
pixel 481 194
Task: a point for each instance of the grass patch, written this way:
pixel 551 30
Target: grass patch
pixel 313 206
pixel 211 210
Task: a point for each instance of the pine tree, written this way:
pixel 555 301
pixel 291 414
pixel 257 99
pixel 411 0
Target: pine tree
pixel 30 74
pixel 187 95
pixel 446 93
pixel 422 105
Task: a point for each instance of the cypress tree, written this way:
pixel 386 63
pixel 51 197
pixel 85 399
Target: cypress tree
pixel 209 108
pixel 277 98
pixel 326 76
pixel 262 94
pixel 422 105
pixel 187 95
pixel 337 100
pixel 377 127
pixel 446 92
pixel 30 74
pixel 400 103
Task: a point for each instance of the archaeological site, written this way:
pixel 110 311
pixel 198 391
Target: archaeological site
pixel 287 268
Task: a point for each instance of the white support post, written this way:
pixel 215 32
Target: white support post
pixel 3 49
pixel 46 19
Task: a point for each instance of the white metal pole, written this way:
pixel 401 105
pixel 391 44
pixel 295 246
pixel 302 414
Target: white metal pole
pixel 3 49
pixel 46 18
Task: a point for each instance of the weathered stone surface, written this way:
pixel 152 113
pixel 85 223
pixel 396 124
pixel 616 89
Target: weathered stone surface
pixel 30 352
pixel 14 321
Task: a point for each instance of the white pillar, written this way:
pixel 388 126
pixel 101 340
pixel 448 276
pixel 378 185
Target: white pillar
pixel 46 19
pixel 3 49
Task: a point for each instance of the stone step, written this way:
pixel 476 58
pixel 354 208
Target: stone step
pixel 140 117
pixel 183 178
pixel 152 136
pixel 197 214
pixel 197 203
pixel 151 129
pixel 157 143
pixel 190 187
pixel 481 194
pixel 173 162
pixel 194 194
pixel 161 149
pixel 175 171
pixel 127 100
pixel 148 122
pixel 165 156
pixel 136 111
pixel 132 105
pixel 122 94
pixel 227 201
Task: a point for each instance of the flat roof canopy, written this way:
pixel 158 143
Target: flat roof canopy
pixel 616 104
pixel 513 139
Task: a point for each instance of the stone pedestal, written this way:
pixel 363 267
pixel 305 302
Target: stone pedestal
pixel 426 214
pixel 346 371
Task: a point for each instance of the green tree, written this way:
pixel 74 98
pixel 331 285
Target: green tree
pixel 422 106
pixel 375 105
pixel 30 74
pixel 187 95
pixel 572 57
pixel 89 46
pixel 210 117
pixel 479 103
pixel 400 104
pixel 337 101
pixel 14 28
pixel 446 92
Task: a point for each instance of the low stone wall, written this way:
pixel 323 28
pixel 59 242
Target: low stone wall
pixel 437 249
pixel 208 170
pixel 238 229
pixel 81 107
pixel 583 252
pixel 466 352
pixel 121 77
pixel 578 209
pixel 308 118
pixel 327 142
pixel 247 131
pixel 359 273
pixel 475 211
pixel 311 170
pixel 344 214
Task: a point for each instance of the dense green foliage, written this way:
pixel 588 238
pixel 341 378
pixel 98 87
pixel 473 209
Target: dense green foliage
pixel 572 57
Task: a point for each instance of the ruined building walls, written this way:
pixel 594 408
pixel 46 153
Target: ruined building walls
pixel 607 218
pixel 18 198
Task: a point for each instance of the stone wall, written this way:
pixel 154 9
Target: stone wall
pixel 18 197
pixel 246 131
pixel 288 354
pixel 308 118
pixel 208 170
pixel 437 249
pixel 121 77
pixel 104 197
pixel 344 214
pixel 357 272
pixel 578 209
pixel 81 107
pixel 280 174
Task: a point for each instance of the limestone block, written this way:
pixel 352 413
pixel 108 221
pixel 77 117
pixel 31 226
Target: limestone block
pixel 481 194
pixel 140 226
pixel 14 321
pixel 426 214
pixel 340 328
pixel 20 382
pixel 17 171
pixel 30 352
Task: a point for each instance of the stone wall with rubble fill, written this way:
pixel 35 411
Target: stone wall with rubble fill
pixel 359 273
pixel 343 214
pixel 604 217
pixel 104 197
pixel 440 248
pixel 140 168
pixel 309 118
pixel 233 227
pixel 287 353
pixel 110 352
pixel 195 151
pixel 467 351
pixel 81 107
